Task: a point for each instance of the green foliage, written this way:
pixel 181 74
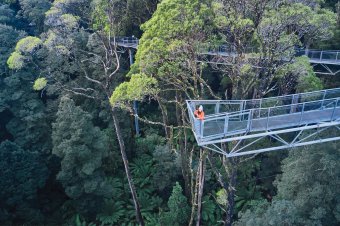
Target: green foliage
pixel 29 125
pixel 316 170
pixel 8 38
pixel 167 167
pixel 34 12
pixel 211 214
pixel 137 88
pixel 142 170
pixel 82 148
pixel 221 197
pixel 299 76
pixel 307 191
pixel 179 210
pixel 174 26
pixel 89 185
pixel 28 45
pixel 6 14
pixel 281 212
pixel 69 21
pixel 308 83
pixel 16 61
pixel 108 16
pixel 114 211
pixel 23 172
pixel 40 84
pixel 25 46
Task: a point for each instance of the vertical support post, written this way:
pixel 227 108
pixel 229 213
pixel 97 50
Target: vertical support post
pixel 202 127
pixel 323 98
pixel 226 119
pixel 241 110
pixel 250 118
pixel 336 58
pixel 217 108
pixel 302 110
pixel 321 55
pixel 135 106
pixel 292 102
pixel 335 106
pixel 268 118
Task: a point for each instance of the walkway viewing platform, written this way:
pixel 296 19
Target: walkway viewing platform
pixel 128 42
pixel 288 121
pixel 228 120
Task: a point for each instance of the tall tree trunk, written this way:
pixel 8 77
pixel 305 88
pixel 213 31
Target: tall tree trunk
pixel 185 160
pixel 200 186
pixel 232 166
pixel 165 118
pixel 227 182
pixel 127 169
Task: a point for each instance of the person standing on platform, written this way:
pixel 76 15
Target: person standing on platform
pixel 199 113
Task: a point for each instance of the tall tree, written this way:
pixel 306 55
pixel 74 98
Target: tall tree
pixel 71 59
pixel 82 148
pixel 308 191
pixel 168 52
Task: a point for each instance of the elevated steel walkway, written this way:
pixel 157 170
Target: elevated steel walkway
pixel 127 42
pixel 288 121
pixel 325 62
pixel 249 121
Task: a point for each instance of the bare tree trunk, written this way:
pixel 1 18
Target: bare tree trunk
pixel 232 165
pixel 200 185
pixel 127 169
pixel 194 198
pixel 185 165
pixel 165 118
pixel 228 183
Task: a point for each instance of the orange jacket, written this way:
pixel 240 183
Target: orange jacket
pixel 199 114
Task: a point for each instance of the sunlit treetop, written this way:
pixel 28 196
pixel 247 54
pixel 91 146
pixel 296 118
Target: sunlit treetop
pixel 28 45
pixel 40 84
pixel 139 86
pixel 15 61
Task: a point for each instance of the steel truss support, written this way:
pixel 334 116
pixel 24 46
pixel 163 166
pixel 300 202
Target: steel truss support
pixel 282 139
pixel 328 70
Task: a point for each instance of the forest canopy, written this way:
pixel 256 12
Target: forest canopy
pixel 93 132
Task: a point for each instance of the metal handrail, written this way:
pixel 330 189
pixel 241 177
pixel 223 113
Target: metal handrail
pixel 250 114
pixel 278 98
pixel 267 108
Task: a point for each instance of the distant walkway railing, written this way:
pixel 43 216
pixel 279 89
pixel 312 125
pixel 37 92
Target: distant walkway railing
pixel 321 56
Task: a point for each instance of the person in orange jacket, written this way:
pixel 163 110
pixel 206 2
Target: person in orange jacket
pixel 199 113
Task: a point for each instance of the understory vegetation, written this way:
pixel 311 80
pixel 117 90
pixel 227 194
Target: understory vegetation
pixel 69 151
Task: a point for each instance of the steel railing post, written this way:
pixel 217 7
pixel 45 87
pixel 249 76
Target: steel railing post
pixel 302 110
pixel 268 117
pixel 336 104
pixel 217 109
pixel 250 118
pixel 321 55
pixel 202 127
pixel 226 120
